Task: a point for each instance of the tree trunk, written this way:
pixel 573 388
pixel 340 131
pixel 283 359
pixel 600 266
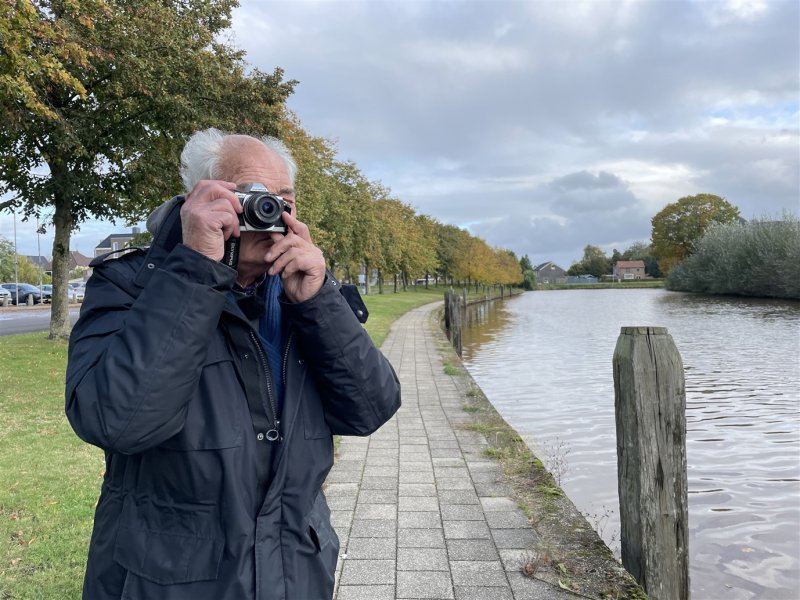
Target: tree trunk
pixel 366 278
pixel 405 280
pixel 380 282
pixel 59 309
pixel 395 283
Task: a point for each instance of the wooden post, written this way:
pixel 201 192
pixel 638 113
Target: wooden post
pixel 448 301
pixel 455 318
pixel 650 403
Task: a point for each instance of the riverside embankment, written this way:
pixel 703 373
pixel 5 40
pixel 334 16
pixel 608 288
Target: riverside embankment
pixel 545 360
pixel 446 501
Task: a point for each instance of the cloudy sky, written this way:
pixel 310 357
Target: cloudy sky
pixel 540 126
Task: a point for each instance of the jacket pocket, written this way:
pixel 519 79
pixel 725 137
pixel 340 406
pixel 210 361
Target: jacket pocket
pixel 215 413
pixel 319 524
pixel 169 544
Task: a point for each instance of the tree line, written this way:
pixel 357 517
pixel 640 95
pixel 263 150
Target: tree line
pixel 98 97
pixel 701 243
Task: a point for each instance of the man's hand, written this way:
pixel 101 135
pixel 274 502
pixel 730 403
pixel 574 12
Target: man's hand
pixel 299 262
pixel 209 217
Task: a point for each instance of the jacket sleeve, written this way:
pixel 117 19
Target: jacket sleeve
pixel 359 388
pixel 135 359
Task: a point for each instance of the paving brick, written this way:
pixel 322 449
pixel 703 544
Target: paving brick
pixel 462 512
pixel 490 504
pixel 458 497
pixel 368 572
pixel 417 489
pixel 515 538
pixel 376 528
pixel 379 483
pixel 492 488
pixel 483 593
pixel 365 592
pixel 466 530
pixel 376 497
pixel 478 573
pixel 457 472
pixel 507 520
pixel 525 588
pixel 420 538
pixel 424 584
pixel 422 559
pixel 471 550
pixel 418 503
pixel 417 477
pixel 419 520
pixel 371 548
pixel 454 483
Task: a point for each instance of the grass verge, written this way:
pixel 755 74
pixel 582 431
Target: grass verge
pixel 49 479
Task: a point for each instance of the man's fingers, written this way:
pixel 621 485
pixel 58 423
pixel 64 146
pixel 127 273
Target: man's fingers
pixel 230 224
pixel 296 226
pixel 280 263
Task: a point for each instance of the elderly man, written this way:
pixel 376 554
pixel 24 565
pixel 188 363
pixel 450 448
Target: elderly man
pixel 214 393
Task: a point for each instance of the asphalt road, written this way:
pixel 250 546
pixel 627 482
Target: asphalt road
pixel 26 319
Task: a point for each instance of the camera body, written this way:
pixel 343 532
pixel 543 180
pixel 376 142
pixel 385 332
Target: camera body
pixel 261 209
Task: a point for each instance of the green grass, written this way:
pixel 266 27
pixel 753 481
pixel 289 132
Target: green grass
pixel 50 479
pixel 384 309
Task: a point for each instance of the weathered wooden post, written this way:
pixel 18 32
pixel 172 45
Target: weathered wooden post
pixel 650 402
pixel 447 319
pixel 455 319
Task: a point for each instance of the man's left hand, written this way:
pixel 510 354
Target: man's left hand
pixel 299 262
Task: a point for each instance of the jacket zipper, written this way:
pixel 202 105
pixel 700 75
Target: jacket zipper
pixel 273 435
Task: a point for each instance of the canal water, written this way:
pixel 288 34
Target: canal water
pixel 544 361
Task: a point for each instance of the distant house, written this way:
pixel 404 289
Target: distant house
pixel 41 263
pixel 582 279
pixel 629 269
pixel 115 241
pixel 550 272
pixel 76 259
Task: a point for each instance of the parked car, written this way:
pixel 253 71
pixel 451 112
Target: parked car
pixel 25 290
pixel 77 293
pixel 5 297
pixel 47 292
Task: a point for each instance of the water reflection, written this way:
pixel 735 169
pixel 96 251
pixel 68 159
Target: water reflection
pixel 544 359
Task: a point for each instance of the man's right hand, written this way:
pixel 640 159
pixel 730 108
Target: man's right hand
pixel 209 216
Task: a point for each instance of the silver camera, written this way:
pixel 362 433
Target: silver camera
pixel 261 209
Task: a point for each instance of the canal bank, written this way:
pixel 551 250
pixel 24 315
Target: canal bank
pixel 446 501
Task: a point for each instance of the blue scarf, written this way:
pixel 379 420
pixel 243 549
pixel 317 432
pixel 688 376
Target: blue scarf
pixel 261 300
pixel 271 331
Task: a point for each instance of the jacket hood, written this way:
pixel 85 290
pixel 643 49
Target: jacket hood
pixel 160 214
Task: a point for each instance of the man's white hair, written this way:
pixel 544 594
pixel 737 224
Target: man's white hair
pixel 203 153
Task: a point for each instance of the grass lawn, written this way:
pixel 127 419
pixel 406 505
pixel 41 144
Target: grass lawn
pixel 50 479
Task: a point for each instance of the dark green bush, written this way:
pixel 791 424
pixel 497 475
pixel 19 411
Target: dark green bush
pixel 757 258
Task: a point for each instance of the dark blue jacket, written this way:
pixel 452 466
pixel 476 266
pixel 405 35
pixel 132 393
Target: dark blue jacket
pixel 160 376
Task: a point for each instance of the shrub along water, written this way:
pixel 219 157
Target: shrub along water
pixel 757 258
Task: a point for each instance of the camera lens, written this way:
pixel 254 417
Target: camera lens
pixel 267 207
pixel 262 211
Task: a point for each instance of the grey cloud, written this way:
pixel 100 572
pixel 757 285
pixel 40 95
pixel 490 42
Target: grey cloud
pixel 468 109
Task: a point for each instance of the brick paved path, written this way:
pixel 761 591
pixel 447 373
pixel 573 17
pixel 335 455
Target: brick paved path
pixel 421 512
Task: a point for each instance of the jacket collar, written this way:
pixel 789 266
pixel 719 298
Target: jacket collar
pixel 165 225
